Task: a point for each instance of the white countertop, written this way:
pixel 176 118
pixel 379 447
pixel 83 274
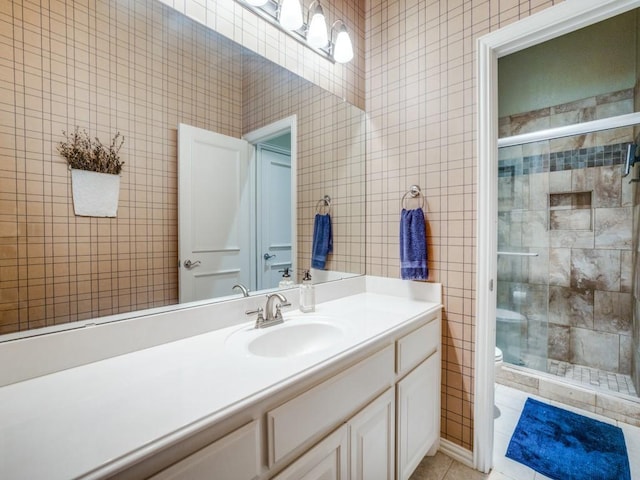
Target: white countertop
pixel 94 417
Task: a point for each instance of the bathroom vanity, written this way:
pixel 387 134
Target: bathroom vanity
pixel 350 391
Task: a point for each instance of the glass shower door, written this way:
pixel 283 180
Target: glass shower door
pixel 523 256
pixel 565 254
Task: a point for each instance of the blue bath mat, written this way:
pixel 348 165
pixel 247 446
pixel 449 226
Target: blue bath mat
pixel 566 446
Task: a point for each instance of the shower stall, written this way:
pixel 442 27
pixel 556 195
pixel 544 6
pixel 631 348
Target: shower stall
pixel 567 241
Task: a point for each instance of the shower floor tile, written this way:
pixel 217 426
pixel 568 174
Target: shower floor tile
pixel 615 382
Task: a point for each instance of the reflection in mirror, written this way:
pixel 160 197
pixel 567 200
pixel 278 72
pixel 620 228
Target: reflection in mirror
pixel 234 210
pixel 274 232
pixel 141 68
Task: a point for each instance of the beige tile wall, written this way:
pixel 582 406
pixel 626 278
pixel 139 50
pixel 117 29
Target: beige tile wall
pixel 134 67
pixel 331 156
pixel 420 85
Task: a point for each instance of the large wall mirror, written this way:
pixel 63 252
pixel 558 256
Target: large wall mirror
pixel 140 68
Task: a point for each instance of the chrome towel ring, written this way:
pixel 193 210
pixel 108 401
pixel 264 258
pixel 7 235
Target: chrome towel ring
pixel 415 192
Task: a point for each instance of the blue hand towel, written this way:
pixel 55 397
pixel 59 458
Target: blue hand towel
pixel 322 241
pixel 413 245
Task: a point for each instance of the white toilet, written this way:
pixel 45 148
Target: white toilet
pixel 498 365
pixel 498 361
pixel 511 332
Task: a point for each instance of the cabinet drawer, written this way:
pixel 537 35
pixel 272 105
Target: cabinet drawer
pixel 418 345
pixel 235 456
pixel 326 405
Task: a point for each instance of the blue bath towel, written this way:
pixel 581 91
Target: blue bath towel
pixel 413 245
pixel 322 241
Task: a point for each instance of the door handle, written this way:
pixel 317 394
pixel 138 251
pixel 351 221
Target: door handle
pixel 266 256
pixel 189 264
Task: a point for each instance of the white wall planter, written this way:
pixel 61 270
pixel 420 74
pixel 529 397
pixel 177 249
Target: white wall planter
pixel 95 194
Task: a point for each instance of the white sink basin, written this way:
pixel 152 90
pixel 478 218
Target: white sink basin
pixel 290 339
pixel 295 339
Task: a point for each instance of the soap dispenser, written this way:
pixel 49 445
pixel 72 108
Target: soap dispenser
pixel 307 294
pixel 286 281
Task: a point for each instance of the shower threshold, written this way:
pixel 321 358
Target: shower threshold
pixel 602 400
pixel 615 382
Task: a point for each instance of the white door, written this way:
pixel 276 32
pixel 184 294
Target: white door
pixel 214 213
pixel 274 214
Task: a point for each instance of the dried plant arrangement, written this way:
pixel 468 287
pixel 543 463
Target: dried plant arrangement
pixel 83 153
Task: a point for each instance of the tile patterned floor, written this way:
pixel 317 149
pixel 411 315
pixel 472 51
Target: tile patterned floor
pixel 593 377
pixel 510 403
pixel 441 467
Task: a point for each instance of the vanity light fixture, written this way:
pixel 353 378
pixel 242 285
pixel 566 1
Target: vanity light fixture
pixel 287 16
pixel 342 49
pixel 290 14
pixel 317 32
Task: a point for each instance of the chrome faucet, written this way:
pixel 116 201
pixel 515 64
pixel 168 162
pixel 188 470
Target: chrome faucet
pixel 272 318
pixel 245 291
pixel 277 317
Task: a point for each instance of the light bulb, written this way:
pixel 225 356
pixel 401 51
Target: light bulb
pixel 291 14
pixel 256 3
pixel 343 50
pixel 317 34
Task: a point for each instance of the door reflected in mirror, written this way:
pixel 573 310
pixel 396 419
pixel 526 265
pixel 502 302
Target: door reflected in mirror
pixel 235 211
pixel 274 219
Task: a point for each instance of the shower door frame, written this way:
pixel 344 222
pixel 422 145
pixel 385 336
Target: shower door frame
pixel 550 23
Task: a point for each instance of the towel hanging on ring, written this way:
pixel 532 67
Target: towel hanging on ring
pixel 413 245
pixel 322 240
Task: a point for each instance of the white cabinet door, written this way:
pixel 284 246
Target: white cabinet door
pixel 418 397
pixel 326 461
pixel 372 440
pixel 234 457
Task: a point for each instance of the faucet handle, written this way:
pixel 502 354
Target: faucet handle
pixel 260 319
pixel 278 315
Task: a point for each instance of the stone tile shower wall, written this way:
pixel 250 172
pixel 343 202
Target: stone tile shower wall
pixel 635 364
pixel 567 201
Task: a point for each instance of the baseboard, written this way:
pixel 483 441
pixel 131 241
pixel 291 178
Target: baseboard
pixel 456 452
